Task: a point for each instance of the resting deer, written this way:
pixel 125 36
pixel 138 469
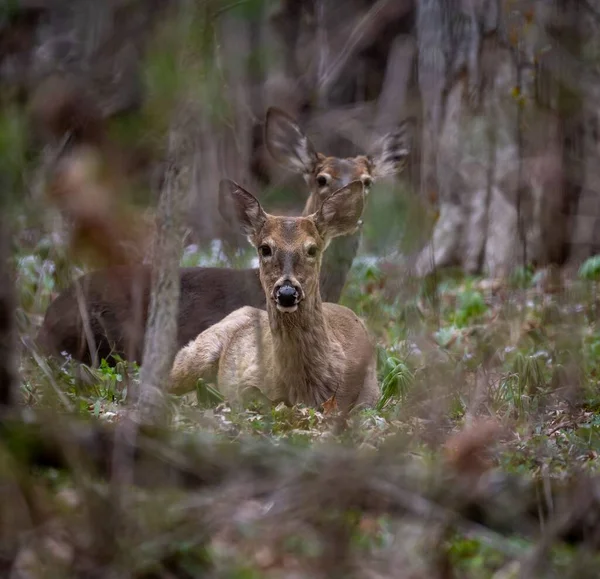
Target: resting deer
pixel 300 350
pixel 116 318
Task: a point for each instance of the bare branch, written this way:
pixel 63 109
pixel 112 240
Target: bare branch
pixel 364 34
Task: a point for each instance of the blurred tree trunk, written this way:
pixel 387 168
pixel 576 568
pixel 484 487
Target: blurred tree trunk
pixel 581 156
pixel 161 330
pixel 493 151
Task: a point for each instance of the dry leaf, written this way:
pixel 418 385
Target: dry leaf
pixel 330 405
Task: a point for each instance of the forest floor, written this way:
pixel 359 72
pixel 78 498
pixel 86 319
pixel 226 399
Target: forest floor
pixel 513 365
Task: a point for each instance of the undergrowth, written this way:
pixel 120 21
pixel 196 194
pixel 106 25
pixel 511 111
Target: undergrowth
pixel 449 350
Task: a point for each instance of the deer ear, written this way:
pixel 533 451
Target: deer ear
pixel 287 144
pixel 341 211
pixel 241 209
pixel 389 153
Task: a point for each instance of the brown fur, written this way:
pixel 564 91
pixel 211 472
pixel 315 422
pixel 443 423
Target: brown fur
pixel 110 305
pixel 307 355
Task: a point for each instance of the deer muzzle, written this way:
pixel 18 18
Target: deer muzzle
pixel 287 296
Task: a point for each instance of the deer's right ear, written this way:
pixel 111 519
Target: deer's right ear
pixel 390 152
pixel 341 211
pixel 287 144
pixel 241 209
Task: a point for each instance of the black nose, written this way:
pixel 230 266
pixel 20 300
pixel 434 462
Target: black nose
pixel 287 296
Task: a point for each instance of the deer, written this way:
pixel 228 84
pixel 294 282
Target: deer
pixel 105 311
pixel 301 349
pixel 292 149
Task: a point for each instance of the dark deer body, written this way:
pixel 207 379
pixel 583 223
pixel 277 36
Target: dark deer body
pixel 116 300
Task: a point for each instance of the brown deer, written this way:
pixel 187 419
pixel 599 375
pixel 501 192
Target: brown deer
pixel 300 350
pixel 290 147
pixel 114 302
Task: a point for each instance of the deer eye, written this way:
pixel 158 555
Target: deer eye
pixel 265 251
pixel 312 250
pixel 323 179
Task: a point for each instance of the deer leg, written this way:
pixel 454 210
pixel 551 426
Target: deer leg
pixel 201 357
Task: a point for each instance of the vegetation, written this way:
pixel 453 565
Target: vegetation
pixel 481 349
pixel 480 460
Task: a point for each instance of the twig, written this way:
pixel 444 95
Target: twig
pixel 85 320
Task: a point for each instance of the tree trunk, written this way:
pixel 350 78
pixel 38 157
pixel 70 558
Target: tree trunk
pixel 495 146
pixel 161 330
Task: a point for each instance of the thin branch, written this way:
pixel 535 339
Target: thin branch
pixel 85 319
pixel 364 34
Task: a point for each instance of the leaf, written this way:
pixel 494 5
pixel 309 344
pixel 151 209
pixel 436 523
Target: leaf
pixel 590 268
pixel 330 405
pixel 396 382
pixel 207 396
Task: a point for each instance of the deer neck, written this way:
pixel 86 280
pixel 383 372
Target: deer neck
pixel 306 325
pixel 337 262
pixel 304 355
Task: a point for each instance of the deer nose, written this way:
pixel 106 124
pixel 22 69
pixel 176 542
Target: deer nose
pixel 287 295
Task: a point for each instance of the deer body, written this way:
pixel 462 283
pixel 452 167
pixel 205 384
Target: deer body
pixel 116 300
pixel 299 350
pixel 308 362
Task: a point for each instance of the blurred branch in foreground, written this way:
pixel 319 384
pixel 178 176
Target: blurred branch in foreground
pixel 88 178
pixel 11 177
pixel 294 488
pixel 7 312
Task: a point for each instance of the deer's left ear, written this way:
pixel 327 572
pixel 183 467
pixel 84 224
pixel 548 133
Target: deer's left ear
pixel 287 143
pixel 247 212
pixel 388 155
pixel 341 211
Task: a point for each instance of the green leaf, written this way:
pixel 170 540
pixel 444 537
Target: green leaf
pixel 590 269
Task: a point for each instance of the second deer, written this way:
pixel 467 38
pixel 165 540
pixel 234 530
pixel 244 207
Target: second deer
pixel 114 303
pixel 300 350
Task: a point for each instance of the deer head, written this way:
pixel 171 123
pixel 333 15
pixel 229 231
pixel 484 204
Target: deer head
pixel 290 248
pixel 290 147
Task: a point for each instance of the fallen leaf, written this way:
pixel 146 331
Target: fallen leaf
pixel 330 405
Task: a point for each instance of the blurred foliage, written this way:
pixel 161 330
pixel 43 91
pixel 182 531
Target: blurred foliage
pixel 590 268
pixel 182 66
pixel 13 153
